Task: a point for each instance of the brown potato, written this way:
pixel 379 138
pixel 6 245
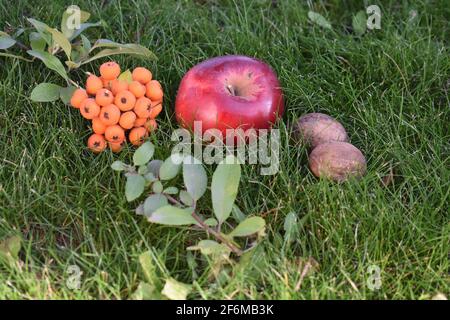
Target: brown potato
pixel 337 160
pixel 317 128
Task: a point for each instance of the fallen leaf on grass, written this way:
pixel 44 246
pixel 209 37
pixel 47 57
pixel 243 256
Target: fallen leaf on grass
pixel 145 291
pixel 175 290
pixel 439 296
pixel 9 249
pixel 318 19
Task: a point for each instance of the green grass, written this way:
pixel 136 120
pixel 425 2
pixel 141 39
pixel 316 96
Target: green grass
pixel 389 88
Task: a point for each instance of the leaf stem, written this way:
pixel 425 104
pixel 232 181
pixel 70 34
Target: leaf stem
pixel 216 234
pixel 73 83
pixel 9 55
pixel 172 199
pixel 207 228
pixel 21 45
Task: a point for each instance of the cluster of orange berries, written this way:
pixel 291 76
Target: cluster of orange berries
pixel 116 106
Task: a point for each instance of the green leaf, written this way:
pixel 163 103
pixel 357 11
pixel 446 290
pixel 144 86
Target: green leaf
pixel 67 26
pixel 153 203
pixel 252 261
pixel 6 42
pixel 9 249
pixel 238 215
pixel 319 19
pixel 61 40
pixel 150 177
pixel 42 29
pixel 248 227
pixel 224 187
pixel 18 33
pixel 134 187
pixel 359 23
pixel 192 265
pixel 86 43
pixel 143 154
pixel 126 76
pixel 175 290
pixel 212 222
pixel 170 215
pixel 194 176
pixel 210 247
pixel 37 42
pixel 154 166
pixel 72 65
pixel 170 168
pixel 50 61
pixel 106 43
pixel 186 198
pixel 14 244
pixel 290 222
pixel 290 225
pixel 142 169
pixel 101 43
pixel 78 54
pixel 139 210
pixel 171 190
pixel 83 27
pixel 118 48
pixel 84 16
pixel 52 36
pixel 66 93
pixel 118 165
pixel 157 187
pixel 45 92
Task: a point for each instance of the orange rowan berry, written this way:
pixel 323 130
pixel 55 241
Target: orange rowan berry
pixel 151 125
pixel 110 70
pixel 136 88
pixel 139 122
pixel 78 97
pixel 125 100
pixel 154 90
pixel 93 84
pixel 116 146
pixel 96 143
pixel 114 133
pixel 118 85
pixel 127 119
pixel 107 84
pixel 109 115
pixel 90 109
pixel 142 75
pixel 104 97
pixel 98 126
pixel 155 110
pixel 142 107
pixel 137 135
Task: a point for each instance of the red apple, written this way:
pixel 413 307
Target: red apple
pixel 229 92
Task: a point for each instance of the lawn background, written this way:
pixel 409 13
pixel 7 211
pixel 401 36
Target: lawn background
pixel 389 88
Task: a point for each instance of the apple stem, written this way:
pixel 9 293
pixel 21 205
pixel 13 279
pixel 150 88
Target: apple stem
pixel 231 89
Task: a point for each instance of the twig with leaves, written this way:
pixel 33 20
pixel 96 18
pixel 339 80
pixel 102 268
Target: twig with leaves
pixel 169 205
pixel 52 46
